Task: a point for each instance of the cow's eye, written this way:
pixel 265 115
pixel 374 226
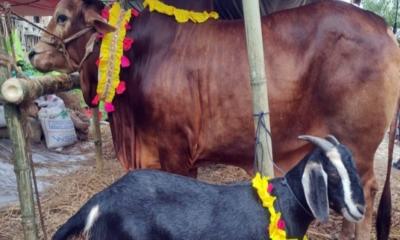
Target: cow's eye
pixel 61 18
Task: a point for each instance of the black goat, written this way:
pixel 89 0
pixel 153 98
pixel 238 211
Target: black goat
pixel 152 205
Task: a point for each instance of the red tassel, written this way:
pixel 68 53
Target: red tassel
pixel 128 43
pixel 134 12
pixel 95 100
pixel 270 187
pixel 125 62
pixel 121 87
pixel 281 224
pixel 105 13
pixel 109 107
pixel 128 26
pixel 100 36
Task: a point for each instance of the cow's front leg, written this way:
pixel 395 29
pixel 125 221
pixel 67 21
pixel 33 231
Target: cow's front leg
pixel 348 230
pixel 363 229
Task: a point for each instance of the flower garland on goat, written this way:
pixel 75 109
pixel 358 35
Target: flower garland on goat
pixel 276 226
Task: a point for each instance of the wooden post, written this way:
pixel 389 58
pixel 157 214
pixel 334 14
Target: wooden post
pixel 21 158
pixel 255 51
pixel 97 140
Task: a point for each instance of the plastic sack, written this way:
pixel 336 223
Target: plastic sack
pixel 57 126
pixel 50 101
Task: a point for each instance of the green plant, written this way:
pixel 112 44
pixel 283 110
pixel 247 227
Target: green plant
pixel 384 8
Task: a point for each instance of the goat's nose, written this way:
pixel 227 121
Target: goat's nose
pixel 361 209
pixel 31 54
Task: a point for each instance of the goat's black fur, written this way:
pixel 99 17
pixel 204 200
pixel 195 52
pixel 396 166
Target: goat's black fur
pixel 150 205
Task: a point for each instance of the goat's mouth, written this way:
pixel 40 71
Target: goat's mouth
pixel 353 216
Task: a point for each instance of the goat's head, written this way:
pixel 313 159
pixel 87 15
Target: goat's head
pixel 53 51
pixel 330 177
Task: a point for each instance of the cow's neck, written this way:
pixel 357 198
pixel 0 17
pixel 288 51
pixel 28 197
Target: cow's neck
pixel 153 34
pixel 151 31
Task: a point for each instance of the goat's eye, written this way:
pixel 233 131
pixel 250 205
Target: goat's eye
pixel 61 18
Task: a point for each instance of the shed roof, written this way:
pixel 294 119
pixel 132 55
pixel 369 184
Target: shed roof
pixel 33 7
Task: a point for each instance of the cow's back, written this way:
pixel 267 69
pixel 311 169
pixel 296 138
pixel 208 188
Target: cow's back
pixel 332 69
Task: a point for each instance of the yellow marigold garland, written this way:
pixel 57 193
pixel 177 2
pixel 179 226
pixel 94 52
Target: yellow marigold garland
pixel 113 44
pixel 181 15
pixel 276 226
pixel 111 56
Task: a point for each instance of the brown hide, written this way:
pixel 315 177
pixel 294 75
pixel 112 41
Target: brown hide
pixel 332 68
pixel 188 97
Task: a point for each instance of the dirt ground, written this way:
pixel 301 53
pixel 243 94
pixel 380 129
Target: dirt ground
pixel 70 191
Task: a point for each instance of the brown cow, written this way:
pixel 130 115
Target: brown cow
pixel 332 68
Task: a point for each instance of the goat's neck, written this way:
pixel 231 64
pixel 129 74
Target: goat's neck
pixel 295 210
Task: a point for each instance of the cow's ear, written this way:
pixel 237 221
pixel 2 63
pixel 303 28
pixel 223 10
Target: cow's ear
pixel 314 181
pixel 94 19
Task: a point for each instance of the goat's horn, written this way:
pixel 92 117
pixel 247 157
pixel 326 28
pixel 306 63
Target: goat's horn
pixel 332 139
pixel 324 144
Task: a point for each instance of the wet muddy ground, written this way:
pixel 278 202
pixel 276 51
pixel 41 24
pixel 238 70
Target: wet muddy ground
pixel 48 163
pixel 71 183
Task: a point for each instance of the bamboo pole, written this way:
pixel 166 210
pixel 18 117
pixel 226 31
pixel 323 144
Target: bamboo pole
pixel 22 170
pixel 21 159
pixel 97 140
pixel 255 51
pixel 19 90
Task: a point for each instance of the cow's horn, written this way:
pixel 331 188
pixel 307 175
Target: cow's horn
pixel 332 139
pixel 324 144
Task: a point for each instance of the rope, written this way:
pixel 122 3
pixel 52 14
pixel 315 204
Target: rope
pixel 285 182
pixel 261 125
pixel 39 205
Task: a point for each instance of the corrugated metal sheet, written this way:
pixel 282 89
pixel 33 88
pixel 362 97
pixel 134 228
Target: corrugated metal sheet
pixel 33 7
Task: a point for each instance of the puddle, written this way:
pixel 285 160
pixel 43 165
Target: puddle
pixel 48 163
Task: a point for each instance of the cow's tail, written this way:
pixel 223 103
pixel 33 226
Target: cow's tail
pixel 81 222
pixel 383 219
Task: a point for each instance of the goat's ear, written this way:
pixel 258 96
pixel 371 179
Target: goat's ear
pixel 314 181
pixel 94 19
